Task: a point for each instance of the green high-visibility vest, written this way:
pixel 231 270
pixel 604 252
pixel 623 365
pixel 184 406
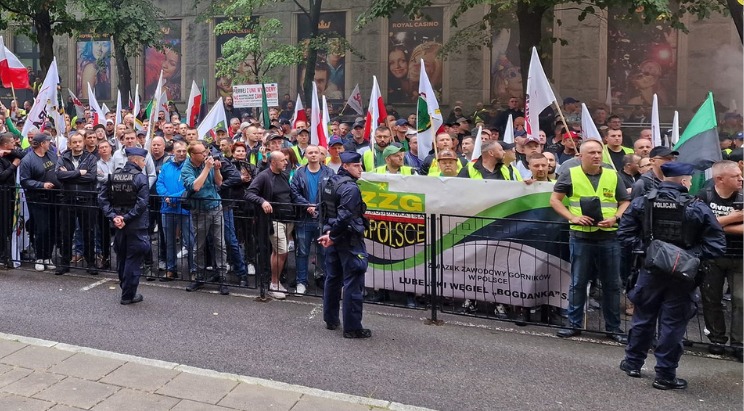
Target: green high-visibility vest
pixel 605 191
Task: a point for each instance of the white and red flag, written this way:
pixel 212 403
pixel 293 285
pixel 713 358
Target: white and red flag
pixel 12 72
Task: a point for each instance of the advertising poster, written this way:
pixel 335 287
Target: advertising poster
pixel 168 61
pixel 641 60
pixel 506 74
pixel 93 66
pixel 225 83
pixel 410 41
pixel 330 69
pixel 513 249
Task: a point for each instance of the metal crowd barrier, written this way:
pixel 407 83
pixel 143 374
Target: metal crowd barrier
pixel 517 269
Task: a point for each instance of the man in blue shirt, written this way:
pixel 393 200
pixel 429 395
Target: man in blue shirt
pixel 202 177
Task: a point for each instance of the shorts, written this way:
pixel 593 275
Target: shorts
pixel 280 237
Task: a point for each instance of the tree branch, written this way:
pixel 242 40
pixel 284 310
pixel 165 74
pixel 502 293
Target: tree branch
pixel 11 9
pixel 304 10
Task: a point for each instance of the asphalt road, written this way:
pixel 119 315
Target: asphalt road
pixel 461 365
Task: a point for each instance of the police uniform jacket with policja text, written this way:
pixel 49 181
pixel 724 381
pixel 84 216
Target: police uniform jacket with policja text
pixel 344 211
pixel 126 194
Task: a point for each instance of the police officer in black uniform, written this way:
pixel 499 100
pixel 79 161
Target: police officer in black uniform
pixel 346 255
pixel 679 219
pixel 124 200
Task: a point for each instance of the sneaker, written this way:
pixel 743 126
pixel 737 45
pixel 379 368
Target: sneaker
pixel 275 293
pixel 282 288
pixel 301 289
pixel 76 259
pixel 210 268
pixel 290 246
pixel 49 265
pixel 39 266
pixel 251 269
pixel 500 312
pixel 182 253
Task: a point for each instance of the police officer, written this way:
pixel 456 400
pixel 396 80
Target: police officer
pixel 124 200
pixel 681 220
pixel 346 254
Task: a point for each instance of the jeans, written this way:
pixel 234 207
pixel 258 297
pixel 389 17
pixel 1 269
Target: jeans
pixel 234 256
pixel 720 269
pixel 306 234
pixel 209 223
pixel 44 216
pixel 590 258
pixel 170 222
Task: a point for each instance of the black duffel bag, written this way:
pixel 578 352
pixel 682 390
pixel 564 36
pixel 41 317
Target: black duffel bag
pixel 667 260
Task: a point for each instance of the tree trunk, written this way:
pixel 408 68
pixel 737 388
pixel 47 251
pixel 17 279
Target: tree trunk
pixel 45 39
pixel 530 34
pixel 123 71
pixel 736 13
pixel 312 55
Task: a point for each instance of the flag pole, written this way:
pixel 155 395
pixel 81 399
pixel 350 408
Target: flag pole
pixel 12 88
pixel 342 110
pixel 565 126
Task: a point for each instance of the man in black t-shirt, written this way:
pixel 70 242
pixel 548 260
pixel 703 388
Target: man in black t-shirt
pixel 725 200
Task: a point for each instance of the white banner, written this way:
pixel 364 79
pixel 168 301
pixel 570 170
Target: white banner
pixel 250 95
pixel 497 241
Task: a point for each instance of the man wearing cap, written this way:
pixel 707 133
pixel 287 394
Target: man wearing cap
pixel 394 162
pixel 651 179
pixel 357 142
pixel 77 170
pixel 110 128
pixel 570 147
pixel 39 180
pixel 572 110
pixel 124 201
pixel 335 148
pixel 678 219
pixel 448 163
pixel 303 140
pixel 401 128
pixel 373 158
pixel 306 187
pixel 596 199
pixel 725 200
pixel 492 164
pixel 346 255
pixel 531 146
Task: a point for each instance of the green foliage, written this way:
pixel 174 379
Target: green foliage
pixel 250 59
pixel 132 23
pixel 28 13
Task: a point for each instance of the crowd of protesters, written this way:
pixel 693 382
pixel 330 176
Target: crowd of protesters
pixel 212 197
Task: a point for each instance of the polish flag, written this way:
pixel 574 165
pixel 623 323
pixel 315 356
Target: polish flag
pixel 299 113
pixel 99 117
pixel 376 113
pixel 12 72
pixel 318 130
pixel 326 120
pixel 192 111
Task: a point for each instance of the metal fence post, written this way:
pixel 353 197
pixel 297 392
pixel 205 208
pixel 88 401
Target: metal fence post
pixel 433 269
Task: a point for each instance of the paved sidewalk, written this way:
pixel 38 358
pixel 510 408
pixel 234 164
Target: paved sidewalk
pixel 46 375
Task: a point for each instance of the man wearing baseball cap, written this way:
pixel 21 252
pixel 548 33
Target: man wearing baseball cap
pixel 650 180
pixel 531 146
pixel 394 162
pixel 38 179
pixel 448 162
